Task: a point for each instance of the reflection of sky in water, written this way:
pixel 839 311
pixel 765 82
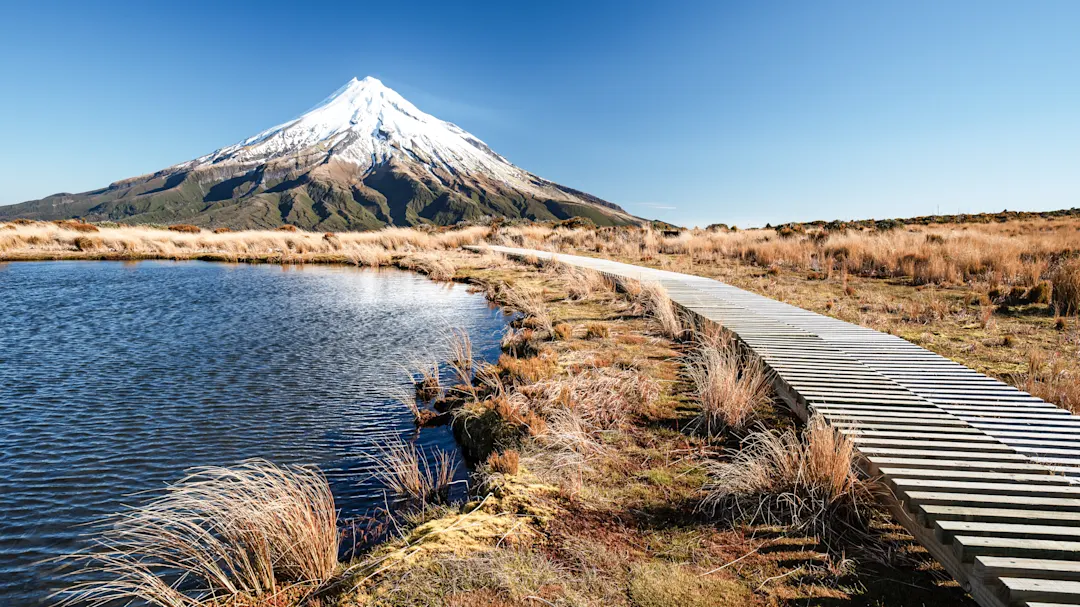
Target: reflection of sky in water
pixel 114 377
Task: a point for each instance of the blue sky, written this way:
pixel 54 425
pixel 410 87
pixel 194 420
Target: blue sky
pixel 692 112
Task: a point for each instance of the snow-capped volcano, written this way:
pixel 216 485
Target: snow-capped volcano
pixel 362 158
pixel 368 124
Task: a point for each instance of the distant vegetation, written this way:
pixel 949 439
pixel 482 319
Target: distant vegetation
pixel 997 292
pixel 960 218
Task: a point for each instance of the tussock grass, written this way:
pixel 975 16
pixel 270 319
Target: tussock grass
pixel 604 399
pixel 77 226
pixel 809 482
pixel 503 462
pixel 1051 381
pixel 528 370
pixel 367 256
pixel 461 360
pixel 256 530
pixel 568 449
pixel 659 307
pixel 425 377
pixel 596 330
pixel 577 415
pixel 730 385
pixel 516 412
pixel 531 303
pixel 412 472
pixel 434 266
pixel 1066 291
pixel 520 342
pixel 583 284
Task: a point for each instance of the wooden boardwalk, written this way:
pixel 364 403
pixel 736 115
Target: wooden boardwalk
pixel 985 476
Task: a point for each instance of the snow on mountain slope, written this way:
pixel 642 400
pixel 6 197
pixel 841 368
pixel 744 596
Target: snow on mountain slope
pixel 363 158
pixel 367 124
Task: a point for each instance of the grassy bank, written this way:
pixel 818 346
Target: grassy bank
pixel 28 241
pixel 640 474
pixel 619 457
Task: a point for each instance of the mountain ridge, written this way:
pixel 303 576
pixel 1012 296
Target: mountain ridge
pixel 363 158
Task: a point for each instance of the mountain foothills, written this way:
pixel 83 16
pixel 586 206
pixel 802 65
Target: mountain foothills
pixel 364 158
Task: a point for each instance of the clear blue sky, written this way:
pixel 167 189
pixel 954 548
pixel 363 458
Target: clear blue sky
pixel 695 113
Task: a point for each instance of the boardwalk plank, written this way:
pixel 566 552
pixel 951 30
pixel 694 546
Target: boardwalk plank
pixel 1040 590
pixel 990 568
pixel 946 530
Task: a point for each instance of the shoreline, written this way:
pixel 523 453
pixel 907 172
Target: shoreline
pixel 612 486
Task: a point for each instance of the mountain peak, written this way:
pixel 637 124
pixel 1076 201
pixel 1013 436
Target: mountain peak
pixel 367 82
pixel 369 124
pixel 362 156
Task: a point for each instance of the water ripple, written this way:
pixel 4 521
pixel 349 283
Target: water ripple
pixel 115 377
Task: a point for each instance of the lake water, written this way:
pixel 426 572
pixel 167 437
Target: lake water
pixel 115 377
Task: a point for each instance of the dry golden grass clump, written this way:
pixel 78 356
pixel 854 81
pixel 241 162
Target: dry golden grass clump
pixel 596 330
pixel 571 443
pixel 414 473
pixel 514 411
pixel 426 378
pixel 582 284
pixel 530 302
pixel 1051 381
pixel 528 370
pixel 604 399
pixel 1066 291
pixel 434 266
pixel 730 385
pixel 808 482
pixel 504 462
pixel 461 360
pixel 77 226
pixel 564 331
pixel 659 307
pixel 254 531
pixel 520 342
pixel 368 256
pixel 186 228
